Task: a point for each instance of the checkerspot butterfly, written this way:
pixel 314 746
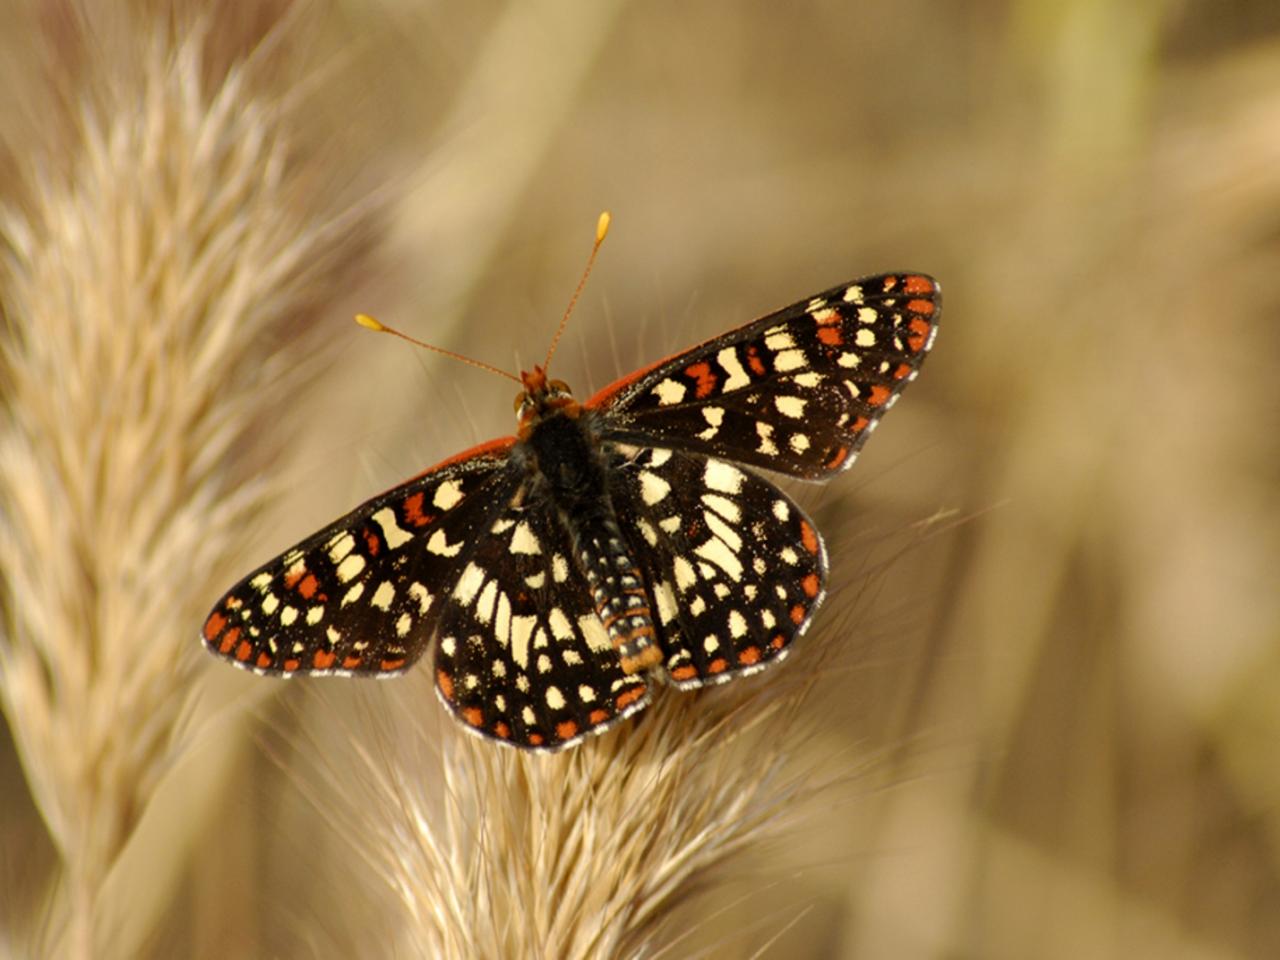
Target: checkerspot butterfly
pixel 609 543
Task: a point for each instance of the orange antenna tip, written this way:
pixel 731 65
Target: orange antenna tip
pixel 369 323
pixel 602 227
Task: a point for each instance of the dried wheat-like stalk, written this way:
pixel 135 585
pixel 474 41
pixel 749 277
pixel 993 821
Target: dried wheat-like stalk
pixel 594 852
pixel 139 281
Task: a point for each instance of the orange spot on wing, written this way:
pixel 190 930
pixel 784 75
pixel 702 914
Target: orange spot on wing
pixel 924 307
pixel 372 542
pixel 598 716
pixel 567 729
pixel 264 660
pixel 754 362
pixel 830 335
pixel 307 588
pixel 879 394
pixel 243 651
pixel 836 458
pixel 718 665
pixel 778 642
pixel 392 663
pixel 706 379
pixel 684 672
pixel 350 663
pixel 445 683
pixel 810 585
pixel 213 626
pixel 628 697
pixel 413 510
pixel 890 283
pixel 749 655
pixel 323 660
pixel 859 425
pixel 918 284
pixel 919 331
pixel 500 729
pixel 473 716
pixel 808 537
pixel 535 739
pixel 903 370
pixel 229 641
pixel 797 614
pixel 293 576
pixel 291 665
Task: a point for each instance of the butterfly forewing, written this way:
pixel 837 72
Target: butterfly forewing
pixel 798 391
pixel 521 655
pixel 364 594
pixel 734 567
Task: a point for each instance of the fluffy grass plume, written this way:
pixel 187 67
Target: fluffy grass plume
pixel 148 265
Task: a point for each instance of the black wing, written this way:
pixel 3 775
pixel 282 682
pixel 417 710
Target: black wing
pixel 364 595
pixel 734 568
pixel 798 391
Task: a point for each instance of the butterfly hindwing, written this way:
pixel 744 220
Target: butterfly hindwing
pixel 798 391
pixel 522 656
pixel 363 595
pixel 734 567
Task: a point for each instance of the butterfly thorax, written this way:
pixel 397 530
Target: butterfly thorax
pixel 566 468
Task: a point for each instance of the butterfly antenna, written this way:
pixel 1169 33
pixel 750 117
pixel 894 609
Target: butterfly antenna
pixel 369 323
pixel 602 230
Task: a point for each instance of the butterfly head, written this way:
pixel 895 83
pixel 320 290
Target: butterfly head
pixel 540 397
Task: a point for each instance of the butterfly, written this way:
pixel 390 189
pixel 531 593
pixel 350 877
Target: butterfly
pixel 610 543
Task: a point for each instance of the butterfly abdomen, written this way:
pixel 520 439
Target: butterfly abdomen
pixel 568 467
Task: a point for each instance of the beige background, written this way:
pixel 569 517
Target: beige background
pixel 1055 567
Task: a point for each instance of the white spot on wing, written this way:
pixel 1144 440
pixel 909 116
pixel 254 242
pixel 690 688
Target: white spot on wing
pixel 790 360
pixel 468 585
pixel 488 597
pixel 524 540
pixel 722 530
pixel 653 489
pixel 340 546
pixel 350 568
pixel 448 494
pixel 714 417
pixel 669 391
pixel 717 551
pixel 521 631
pixel 790 406
pixel 559 568
pixel 392 532
pixel 423 596
pixel 723 506
pixel 383 596
pixel 767 446
pixel 594 633
pixel 439 545
pixel 723 477
pixel 728 360
pixel 559 623
pixel 685 575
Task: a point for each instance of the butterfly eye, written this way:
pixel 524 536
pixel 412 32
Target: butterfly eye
pixel 559 386
pixel 520 401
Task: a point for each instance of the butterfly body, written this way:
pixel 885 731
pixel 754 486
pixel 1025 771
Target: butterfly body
pixel 609 542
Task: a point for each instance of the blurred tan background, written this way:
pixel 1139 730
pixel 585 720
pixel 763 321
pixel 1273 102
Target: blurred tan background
pixel 1056 564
